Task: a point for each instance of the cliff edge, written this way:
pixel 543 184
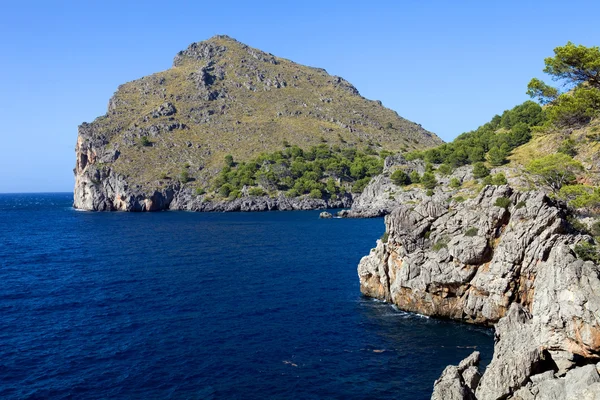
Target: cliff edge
pixel 505 258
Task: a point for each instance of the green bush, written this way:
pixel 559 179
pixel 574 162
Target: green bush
pixel 455 183
pixel 385 237
pixel 428 180
pixel 144 141
pixel 256 191
pixel 576 108
pixel 567 147
pixel 440 244
pixel 235 194
pixel 315 194
pixel 360 185
pixel 499 179
pixel 445 169
pixel 400 178
pixel 480 170
pixel 459 199
pixel 471 232
pixel 520 205
pixel 415 177
pixel 587 252
pixel 200 191
pixel 229 160
pixel 225 190
pixel 184 176
pixel 502 202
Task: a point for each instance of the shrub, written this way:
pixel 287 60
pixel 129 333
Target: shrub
pixel 587 252
pixel 315 194
pixel 235 194
pixel 163 175
pixel 471 232
pixel 144 141
pixel 502 202
pixel 459 199
pixel 455 183
pixel 576 108
pixel 385 237
pixel 520 205
pixel 440 244
pixel 567 147
pixel 229 160
pixel 499 179
pixel 415 177
pixel 360 185
pixel 184 176
pixel 200 191
pixel 400 178
pixel 256 191
pixel 428 180
pixel 445 169
pixel 429 192
pixel 480 170
pixel 225 190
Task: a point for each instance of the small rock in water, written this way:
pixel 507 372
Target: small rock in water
pixel 325 214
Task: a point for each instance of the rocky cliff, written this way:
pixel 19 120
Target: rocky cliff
pixel 504 258
pixel 165 136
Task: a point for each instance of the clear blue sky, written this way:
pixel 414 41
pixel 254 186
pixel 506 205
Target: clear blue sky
pixel 448 65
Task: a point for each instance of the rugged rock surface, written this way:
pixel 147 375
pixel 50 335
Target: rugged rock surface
pixel 495 262
pixel 165 136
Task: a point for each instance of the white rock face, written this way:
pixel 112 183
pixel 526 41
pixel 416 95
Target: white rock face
pixel 512 267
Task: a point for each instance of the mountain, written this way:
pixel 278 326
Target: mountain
pixel 165 136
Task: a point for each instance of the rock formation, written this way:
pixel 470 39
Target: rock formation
pixel 164 136
pixel 504 258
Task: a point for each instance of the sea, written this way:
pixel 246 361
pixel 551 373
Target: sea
pixel 181 305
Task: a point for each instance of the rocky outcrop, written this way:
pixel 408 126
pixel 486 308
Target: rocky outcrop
pixel 506 259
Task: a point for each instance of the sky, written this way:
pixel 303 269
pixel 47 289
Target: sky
pixel 448 65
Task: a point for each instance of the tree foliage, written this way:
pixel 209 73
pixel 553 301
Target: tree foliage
pixel 493 140
pixel 323 168
pixel 577 69
pixel 555 170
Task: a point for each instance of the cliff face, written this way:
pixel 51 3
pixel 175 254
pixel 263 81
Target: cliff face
pixel 506 259
pixel 220 97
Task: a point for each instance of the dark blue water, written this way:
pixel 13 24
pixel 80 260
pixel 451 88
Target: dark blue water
pixel 201 306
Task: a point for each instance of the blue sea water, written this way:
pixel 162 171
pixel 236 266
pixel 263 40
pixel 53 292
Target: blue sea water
pixel 204 306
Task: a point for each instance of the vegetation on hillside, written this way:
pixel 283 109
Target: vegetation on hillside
pixel 222 97
pixel 321 172
pixel 491 142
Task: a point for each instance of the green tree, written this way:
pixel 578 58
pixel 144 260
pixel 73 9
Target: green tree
pixel 415 177
pixel 315 194
pixel 455 183
pixel 428 180
pixel 480 170
pixel 229 160
pixel 497 156
pixel 575 65
pixel 400 178
pixel 555 170
pixel 567 147
pixel 539 90
pixel 576 108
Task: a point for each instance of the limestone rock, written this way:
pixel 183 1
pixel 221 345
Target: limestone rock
pixel 510 267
